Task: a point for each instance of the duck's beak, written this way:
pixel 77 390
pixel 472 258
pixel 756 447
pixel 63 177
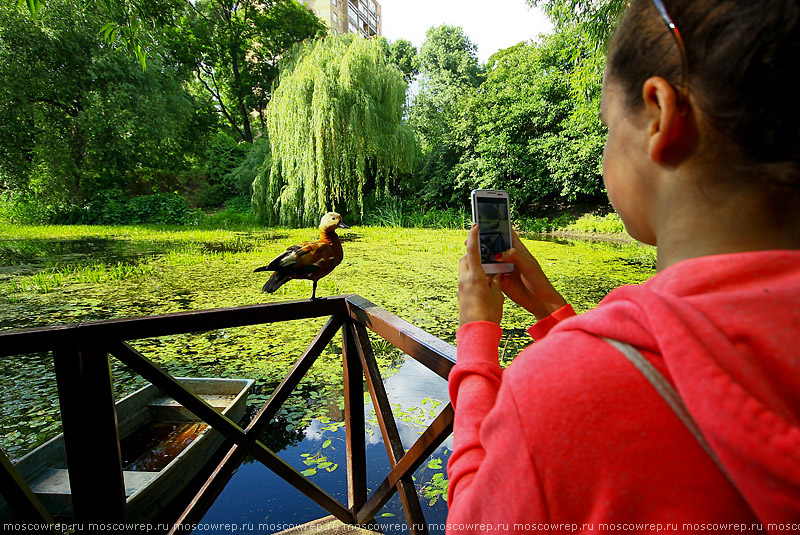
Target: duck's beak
pixel 342 225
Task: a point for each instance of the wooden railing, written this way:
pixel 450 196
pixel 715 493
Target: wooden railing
pixel 89 421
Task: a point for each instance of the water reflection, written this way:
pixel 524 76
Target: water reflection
pixel 256 496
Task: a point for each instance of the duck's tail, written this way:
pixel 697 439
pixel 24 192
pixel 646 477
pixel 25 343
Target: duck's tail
pixel 277 280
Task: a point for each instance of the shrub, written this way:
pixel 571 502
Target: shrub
pixel 607 224
pixel 18 209
pixel 112 208
pixel 209 195
pixel 237 213
pixel 167 208
pixel 224 154
pixel 540 225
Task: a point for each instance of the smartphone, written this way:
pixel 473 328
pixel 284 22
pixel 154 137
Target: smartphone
pixel 491 212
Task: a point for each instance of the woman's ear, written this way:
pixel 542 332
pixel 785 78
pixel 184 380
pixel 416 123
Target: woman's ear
pixel 671 129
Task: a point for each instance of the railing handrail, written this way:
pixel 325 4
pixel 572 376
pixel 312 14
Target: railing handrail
pixel 37 339
pixel 80 349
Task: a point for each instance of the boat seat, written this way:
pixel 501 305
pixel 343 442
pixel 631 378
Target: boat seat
pixel 166 409
pixel 55 481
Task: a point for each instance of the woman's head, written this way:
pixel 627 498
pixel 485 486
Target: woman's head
pixel 741 71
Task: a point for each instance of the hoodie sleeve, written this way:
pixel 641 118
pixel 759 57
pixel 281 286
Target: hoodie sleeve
pixel 543 326
pixel 474 384
pixel 485 436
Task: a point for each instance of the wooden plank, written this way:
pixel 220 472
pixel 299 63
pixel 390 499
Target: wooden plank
pixel 20 498
pixel 213 486
pixel 91 436
pixel 355 438
pixel 230 430
pixel 437 355
pixel 39 339
pixel 426 444
pixel 391 435
pixel 34 340
pixel 326 526
pixel 222 318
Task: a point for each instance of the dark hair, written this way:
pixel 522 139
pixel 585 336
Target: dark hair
pixel 742 60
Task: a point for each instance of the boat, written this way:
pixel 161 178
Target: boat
pixel 163 447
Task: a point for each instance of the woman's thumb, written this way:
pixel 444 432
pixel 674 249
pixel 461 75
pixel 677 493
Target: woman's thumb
pixel 507 256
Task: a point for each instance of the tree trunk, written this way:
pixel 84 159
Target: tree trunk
pixel 237 83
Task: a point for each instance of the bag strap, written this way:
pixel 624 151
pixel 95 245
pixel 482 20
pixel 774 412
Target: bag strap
pixel 670 395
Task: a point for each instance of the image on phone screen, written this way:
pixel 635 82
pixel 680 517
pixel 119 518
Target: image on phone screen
pixel 493 225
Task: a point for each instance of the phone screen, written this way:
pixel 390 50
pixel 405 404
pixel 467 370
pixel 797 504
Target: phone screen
pixel 494 227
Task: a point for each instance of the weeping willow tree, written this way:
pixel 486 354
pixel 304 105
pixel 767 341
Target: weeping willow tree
pixel 335 125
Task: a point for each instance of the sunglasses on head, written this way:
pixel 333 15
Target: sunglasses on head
pixel 673 29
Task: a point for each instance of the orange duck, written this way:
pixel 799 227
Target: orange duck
pixel 308 260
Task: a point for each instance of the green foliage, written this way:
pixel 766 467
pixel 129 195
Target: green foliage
pixel 436 488
pixel 449 57
pixel 596 18
pixel 335 128
pixel 591 223
pixel 393 212
pixel 318 460
pixel 223 156
pixel 256 160
pixel 236 214
pixel 166 208
pixel 22 208
pixel 541 225
pixel 133 20
pixel 234 46
pixel 403 55
pixel 34 6
pixel 449 69
pixel 527 129
pixel 78 117
pixel 112 208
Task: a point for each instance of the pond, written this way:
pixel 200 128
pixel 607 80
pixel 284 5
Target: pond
pixel 255 496
pixel 59 275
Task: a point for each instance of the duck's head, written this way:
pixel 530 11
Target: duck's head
pixel 331 221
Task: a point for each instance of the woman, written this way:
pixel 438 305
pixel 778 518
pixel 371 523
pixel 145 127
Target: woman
pixel 703 161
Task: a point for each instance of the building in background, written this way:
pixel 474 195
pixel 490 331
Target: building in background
pixel 343 16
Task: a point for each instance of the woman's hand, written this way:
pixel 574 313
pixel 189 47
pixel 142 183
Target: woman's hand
pixel 480 298
pixel 527 285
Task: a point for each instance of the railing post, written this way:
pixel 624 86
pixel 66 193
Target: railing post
pixel 91 436
pixel 389 430
pixel 19 496
pixel 354 422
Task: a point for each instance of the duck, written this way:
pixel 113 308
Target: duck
pixel 310 260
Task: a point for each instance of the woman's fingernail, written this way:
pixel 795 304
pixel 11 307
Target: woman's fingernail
pixel 498 256
pixel 474 225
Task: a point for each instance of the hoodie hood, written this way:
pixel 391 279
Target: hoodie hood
pixel 728 329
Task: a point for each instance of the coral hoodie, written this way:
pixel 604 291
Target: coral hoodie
pixel 571 435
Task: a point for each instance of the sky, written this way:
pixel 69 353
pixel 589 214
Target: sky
pixel 490 24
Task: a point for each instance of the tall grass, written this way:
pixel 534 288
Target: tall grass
pixel 395 213
pixel 53 278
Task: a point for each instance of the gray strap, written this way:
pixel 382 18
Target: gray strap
pixel 670 395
